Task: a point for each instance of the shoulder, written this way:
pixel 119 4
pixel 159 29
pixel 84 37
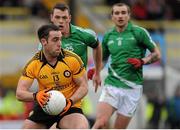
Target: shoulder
pixel 108 33
pixel 35 59
pixel 71 55
pixel 137 28
pixel 84 31
pixel 33 63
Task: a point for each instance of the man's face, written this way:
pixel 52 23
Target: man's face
pixel 53 44
pixel 61 19
pixel 120 16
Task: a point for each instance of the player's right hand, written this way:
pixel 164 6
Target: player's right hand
pixel 42 97
pixel 137 63
pixel 90 73
pixel 69 104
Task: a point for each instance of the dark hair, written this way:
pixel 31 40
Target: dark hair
pixel 43 31
pixel 61 6
pixel 121 4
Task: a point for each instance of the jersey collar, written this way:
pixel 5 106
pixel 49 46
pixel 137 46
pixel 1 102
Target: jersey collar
pixel 43 58
pixel 128 28
pixel 72 28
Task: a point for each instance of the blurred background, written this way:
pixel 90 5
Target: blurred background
pixel 19 20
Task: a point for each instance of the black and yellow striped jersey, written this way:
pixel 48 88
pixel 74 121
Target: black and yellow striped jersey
pixel 58 77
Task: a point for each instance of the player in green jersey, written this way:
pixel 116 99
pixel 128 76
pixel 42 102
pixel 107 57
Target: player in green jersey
pixel 77 39
pixel 126 44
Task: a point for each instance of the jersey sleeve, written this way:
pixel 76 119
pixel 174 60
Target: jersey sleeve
pixel 29 71
pixel 76 65
pixel 90 38
pixel 147 40
pixel 105 48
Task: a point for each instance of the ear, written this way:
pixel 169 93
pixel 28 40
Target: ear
pixel 43 41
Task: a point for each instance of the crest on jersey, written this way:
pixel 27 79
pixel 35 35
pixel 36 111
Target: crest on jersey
pixel 67 73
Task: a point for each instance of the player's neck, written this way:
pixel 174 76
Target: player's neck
pixel 66 33
pixel 121 28
pixel 50 59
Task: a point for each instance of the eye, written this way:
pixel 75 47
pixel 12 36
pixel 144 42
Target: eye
pixel 124 12
pixel 116 13
pixel 55 39
pixel 64 17
pixel 57 17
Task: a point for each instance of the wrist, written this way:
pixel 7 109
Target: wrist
pixel 34 96
pixel 71 101
pixel 142 61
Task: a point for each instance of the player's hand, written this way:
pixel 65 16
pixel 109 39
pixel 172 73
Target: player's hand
pixel 96 81
pixel 42 97
pixel 90 73
pixel 137 63
pixel 69 104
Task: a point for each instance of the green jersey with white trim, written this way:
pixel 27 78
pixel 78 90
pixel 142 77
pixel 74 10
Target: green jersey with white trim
pixel 131 43
pixel 78 41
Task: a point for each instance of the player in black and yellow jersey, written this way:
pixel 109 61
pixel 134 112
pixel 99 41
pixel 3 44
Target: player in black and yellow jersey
pixel 58 69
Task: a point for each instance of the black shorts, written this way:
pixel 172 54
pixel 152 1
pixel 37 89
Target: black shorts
pixel 39 116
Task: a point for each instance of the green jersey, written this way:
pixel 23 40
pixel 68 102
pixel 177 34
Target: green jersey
pixel 78 41
pixel 131 43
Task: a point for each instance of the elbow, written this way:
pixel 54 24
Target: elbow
pixel 87 91
pixel 18 96
pixel 159 56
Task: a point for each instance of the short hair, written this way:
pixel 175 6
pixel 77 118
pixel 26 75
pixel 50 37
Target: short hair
pixel 43 31
pixel 121 4
pixel 61 6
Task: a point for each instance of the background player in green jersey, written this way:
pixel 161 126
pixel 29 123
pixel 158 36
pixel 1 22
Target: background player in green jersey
pixel 126 43
pixel 77 39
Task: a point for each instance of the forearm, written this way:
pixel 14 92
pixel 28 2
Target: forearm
pixel 97 56
pixel 24 96
pixel 153 57
pixel 81 91
pixel 22 91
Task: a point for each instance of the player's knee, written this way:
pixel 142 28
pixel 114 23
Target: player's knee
pixel 83 125
pixel 102 123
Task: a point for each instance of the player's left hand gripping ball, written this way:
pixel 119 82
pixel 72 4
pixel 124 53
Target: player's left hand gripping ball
pixel 42 97
pixel 137 63
pixel 69 104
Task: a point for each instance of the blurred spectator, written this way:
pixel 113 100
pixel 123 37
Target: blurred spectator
pixel 157 113
pixel 173 108
pixel 11 3
pixel 11 108
pixel 38 9
pixel 156 9
pixel 139 10
pixel 175 6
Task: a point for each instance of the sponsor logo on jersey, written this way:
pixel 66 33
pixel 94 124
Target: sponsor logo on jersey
pixel 43 76
pixel 67 73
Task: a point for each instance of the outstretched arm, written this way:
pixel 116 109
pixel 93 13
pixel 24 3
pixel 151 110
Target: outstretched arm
pixel 97 56
pixel 153 57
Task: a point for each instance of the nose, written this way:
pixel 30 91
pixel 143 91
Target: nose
pixel 60 20
pixel 59 43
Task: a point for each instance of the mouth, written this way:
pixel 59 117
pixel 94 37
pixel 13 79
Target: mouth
pixel 120 20
pixel 61 27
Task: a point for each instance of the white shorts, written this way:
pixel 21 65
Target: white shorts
pixel 124 100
